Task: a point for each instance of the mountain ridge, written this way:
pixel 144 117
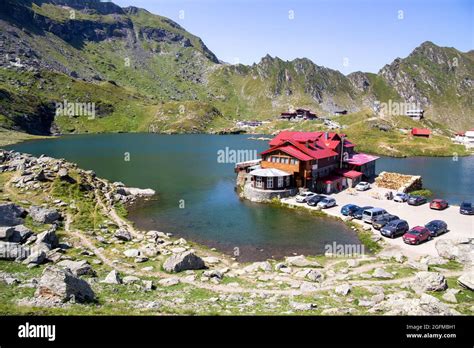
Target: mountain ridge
pixel 155 62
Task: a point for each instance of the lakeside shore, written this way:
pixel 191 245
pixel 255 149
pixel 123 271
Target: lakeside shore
pixel 125 265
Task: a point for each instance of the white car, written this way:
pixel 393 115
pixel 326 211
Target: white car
pixel 362 186
pixel 304 196
pixel 327 203
pixel 400 197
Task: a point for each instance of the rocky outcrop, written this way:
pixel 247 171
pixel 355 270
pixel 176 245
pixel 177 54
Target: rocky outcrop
pixel 11 214
pixel 467 280
pixel 461 250
pixel 60 285
pixel 182 262
pixel 429 281
pixel 112 278
pixel 78 268
pixel 44 215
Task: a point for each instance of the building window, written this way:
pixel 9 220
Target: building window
pixel 285 160
pixel 269 183
pixel 280 181
pixel 288 181
pixel 258 182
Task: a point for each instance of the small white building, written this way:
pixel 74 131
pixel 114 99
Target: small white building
pixel 415 114
pixel 465 138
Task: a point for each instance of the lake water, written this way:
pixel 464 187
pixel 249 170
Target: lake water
pixel 196 197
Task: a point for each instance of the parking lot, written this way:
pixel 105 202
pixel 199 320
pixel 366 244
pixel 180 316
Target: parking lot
pixel 460 226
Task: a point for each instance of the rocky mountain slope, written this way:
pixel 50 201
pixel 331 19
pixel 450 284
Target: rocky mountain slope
pixel 146 73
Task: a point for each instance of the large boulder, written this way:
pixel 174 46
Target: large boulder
pixel 49 238
pixel 35 258
pixel 123 235
pixel 183 261
pixel 467 280
pixel 112 278
pixel 429 281
pixel 15 234
pixel 13 251
pixel 44 215
pixel 60 285
pixel 11 214
pixel 461 250
pixel 301 261
pixel 78 268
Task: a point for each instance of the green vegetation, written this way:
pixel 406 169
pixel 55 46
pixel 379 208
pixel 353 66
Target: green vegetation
pixel 424 193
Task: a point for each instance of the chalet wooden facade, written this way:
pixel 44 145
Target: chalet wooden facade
pixel 320 161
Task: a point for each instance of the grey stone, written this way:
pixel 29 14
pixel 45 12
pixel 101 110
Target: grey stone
pixel 123 235
pixel 112 278
pixel 78 268
pixel 428 281
pixel 37 258
pixel 44 215
pixel 182 262
pixel 467 280
pixel 11 214
pixel 49 238
pixel 132 253
pixel 461 250
pixel 130 280
pixel 301 261
pixel 381 273
pixel 343 289
pixel 300 306
pixel 60 285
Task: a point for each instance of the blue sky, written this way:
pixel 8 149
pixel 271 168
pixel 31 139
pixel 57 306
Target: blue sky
pixel 347 35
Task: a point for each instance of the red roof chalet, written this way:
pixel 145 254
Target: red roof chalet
pixel 420 132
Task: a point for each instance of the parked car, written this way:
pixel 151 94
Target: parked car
pixel 439 204
pixel 466 208
pixel 401 197
pixel 416 200
pixel 394 228
pixel 313 201
pixel 349 209
pixel 362 186
pixel 381 221
pixel 358 213
pixel 304 196
pixel 327 203
pixel 370 215
pixel 437 227
pixel 417 235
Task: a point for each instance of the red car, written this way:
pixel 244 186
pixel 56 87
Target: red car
pixel 417 235
pixel 438 204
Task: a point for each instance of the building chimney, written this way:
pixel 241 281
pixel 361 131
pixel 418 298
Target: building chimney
pixel 326 135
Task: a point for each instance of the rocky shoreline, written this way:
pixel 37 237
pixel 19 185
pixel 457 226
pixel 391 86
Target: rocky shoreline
pixel 64 248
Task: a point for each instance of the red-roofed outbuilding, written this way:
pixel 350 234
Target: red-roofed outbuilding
pixel 421 132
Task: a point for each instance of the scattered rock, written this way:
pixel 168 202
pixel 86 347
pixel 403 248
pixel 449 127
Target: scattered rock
pixel 300 306
pixel 78 268
pixel 123 235
pixel 36 258
pixel 11 214
pixel 381 273
pixel 49 238
pixel 60 285
pixel 182 262
pixel 353 263
pixel 428 281
pixel 301 261
pixel 130 279
pixel 343 289
pixel 44 215
pixel 112 278
pixel 450 295
pixel 461 250
pixel 132 253
pixel 467 280
pixel 169 282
